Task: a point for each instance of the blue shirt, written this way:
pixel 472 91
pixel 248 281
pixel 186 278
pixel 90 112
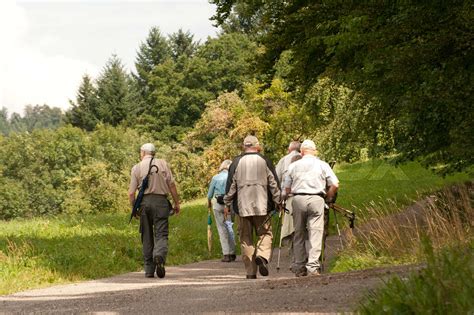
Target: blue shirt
pixel 217 186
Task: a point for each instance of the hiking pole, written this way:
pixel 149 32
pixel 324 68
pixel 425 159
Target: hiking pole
pixel 338 230
pixel 267 219
pixel 280 222
pixel 209 230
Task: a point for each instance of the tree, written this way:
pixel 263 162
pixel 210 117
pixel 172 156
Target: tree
pixel 222 64
pixel 413 62
pixel 154 51
pixel 182 44
pixel 84 112
pixel 115 99
pixel 4 123
pixel 42 116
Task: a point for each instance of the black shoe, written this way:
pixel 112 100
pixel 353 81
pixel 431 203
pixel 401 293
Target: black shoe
pixel 303 272
pixel 233 257
pixel 226 258
pixel 251 276
pixel 262 265
pixel 160 267
pixel 149 275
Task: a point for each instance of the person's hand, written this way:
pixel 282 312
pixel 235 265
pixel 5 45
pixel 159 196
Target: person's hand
pixel 177 208
pixel 226 212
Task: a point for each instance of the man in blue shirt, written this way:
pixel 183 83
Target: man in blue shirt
pixel 224 224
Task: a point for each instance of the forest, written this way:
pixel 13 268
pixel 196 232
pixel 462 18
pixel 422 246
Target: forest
pixel 369 81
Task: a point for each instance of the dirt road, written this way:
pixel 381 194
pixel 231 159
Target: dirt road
pixel 204 287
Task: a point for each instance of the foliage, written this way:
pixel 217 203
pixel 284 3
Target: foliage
pixel 175 85
pixel 67 170
pixel 412 62
pixel 445 286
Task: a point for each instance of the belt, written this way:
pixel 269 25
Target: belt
pixel 322 195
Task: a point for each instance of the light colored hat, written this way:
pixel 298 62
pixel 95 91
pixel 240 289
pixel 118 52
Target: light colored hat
pixel 251 141
pixel 148 147
pixel 225 165
pixel 308 145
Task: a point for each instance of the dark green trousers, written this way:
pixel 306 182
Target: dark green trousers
pixel 154 229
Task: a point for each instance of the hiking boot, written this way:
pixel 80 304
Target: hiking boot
pixel 160 267
pixel 302 272
pixel 226 258
pixel 149 275
pixel 251 276
pixel 314 274
pixel 233 257
pixel 262 265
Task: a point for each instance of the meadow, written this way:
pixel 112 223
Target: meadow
pixel 42 251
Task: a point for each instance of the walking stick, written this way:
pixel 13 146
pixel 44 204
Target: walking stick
pixel 280 219
pixel 209 230
pixel 338 230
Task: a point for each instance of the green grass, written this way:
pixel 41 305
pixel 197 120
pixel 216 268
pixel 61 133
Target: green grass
pixel 43 251
pixel 377 180
pixel 446 286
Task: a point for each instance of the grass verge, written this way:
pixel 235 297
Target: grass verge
pixel 445 286
pixel 43 251
pixel 445 218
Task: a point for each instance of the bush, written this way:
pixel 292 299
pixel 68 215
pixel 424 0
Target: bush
pixel 13 199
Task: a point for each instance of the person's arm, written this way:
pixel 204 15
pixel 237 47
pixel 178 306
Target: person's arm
pixel 331 193
pixel 131 198
pixel 333 183
pixel 210 192
pixel 174 194
pixel 132 188
pixel 229 196
pixel 286 184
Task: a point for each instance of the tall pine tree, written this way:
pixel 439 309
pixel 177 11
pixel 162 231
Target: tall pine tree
pixel 115 98
pixel 84 112
pixel 154 51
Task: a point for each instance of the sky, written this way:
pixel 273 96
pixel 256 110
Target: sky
pixel 47 46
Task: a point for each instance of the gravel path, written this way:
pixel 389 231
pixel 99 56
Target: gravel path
pixel 205 287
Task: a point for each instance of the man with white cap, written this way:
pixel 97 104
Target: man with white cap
pixel 253 190
pixel 307 180
pixel 155 208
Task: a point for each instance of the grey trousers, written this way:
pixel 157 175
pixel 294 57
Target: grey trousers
pixel 308 216
pixel 154 229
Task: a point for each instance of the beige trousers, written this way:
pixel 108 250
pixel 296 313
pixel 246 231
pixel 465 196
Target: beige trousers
pixel 247 226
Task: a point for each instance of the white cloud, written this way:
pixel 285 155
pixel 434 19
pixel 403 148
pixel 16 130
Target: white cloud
pixel 27 75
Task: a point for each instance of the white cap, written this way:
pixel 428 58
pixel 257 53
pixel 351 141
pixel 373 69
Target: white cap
pixel 308 145
pixel 148 147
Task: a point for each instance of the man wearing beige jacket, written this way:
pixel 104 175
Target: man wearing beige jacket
pixel 253 190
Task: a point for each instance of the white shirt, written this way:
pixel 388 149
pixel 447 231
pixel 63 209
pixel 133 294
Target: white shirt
pixel 309 175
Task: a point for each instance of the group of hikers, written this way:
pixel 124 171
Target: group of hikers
pixel 249 188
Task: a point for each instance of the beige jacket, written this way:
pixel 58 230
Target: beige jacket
pixel 251 182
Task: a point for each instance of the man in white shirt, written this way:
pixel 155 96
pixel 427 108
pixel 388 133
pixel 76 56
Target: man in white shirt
pixel 307 180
